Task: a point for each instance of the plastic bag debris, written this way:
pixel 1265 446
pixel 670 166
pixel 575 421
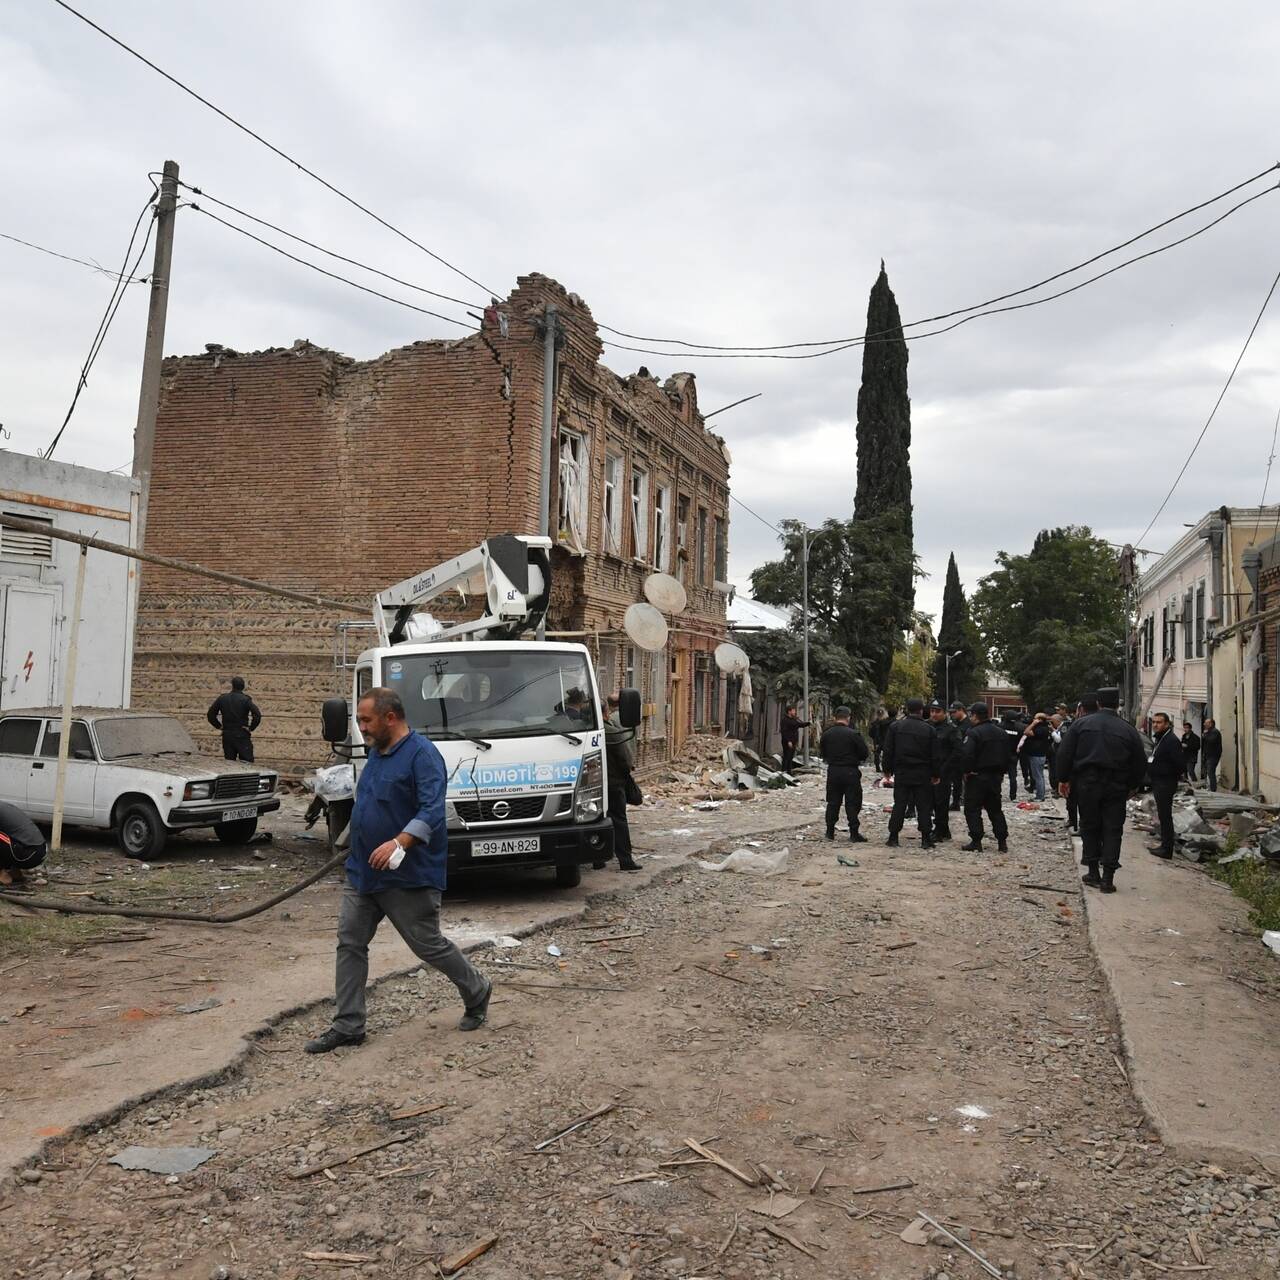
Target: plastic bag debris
pixel 553 950
pixel 507 942
pixel 972 1112
pixel 749 862
pixel 1271 938
pixel 705 805
pixel 337 782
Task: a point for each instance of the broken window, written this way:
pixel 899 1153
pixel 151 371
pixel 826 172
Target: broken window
pixel 639 512
pixel 700 549
pixel 613 504
pixel 657 721
pixel 722 552
pixel 1200 620
pixel 629 667
pixel 1165 646
pixel 607 668
pixel 662 529
pixel 682 536
pixel 574 490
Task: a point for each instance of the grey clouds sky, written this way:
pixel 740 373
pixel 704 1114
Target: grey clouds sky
pixel 723 172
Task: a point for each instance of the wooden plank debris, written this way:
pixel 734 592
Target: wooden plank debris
pixel 728 977
pixel 579 1123
pixel 413 1112
pixel 789 1238
pixel 747 1179
pixel 323 1255
pixel 1193 1241
pixel 456 1261
pixel 901 1185
pixel 325 1165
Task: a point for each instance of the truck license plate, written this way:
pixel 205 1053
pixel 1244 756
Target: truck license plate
pixel 235 815
pixel 503 848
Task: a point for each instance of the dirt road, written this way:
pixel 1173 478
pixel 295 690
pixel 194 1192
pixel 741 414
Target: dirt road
pixel 921 1032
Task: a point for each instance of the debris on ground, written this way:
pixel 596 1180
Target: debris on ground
pixel 751 862
pixel 165 1160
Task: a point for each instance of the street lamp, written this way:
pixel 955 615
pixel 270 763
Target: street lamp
pixel 804 617
pixel 949 658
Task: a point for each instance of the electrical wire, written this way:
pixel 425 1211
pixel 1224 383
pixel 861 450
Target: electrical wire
pixel 895 335
pixel 947 315
pixel 354 262
pixel 733 497
pixel 333 275
pixel 1266 480
pixel 113 305
pixel 1213 412
pixel 284 155
pixel 66 257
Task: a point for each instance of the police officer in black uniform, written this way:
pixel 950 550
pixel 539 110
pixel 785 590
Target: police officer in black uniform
pixel 960 718
pixel 844 749
pixel 912 758
pixel 984 756
pixel 1102 760
pixel 237 715
pixel 1087 705
pixel 952 740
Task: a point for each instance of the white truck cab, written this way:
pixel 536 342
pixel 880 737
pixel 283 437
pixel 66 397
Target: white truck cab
pixel 519 722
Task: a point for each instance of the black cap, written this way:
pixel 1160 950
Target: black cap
pixel 979 709
pixel 843 713
pixel 958 706
pixel 935 705
pixel 1109 698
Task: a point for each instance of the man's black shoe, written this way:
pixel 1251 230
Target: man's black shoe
pixel 630 864
pixel 475 1015
pixel 1091 877
pixel 891 842
pixel 1159 852
pixel 928 842
pixel 831 833
pixel 941 835
pixel 974 846
pixel 1108 886
pixel 331 1040
pixel 1003 846
pixel 857 837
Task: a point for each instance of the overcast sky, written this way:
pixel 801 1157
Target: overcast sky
pixel 727 172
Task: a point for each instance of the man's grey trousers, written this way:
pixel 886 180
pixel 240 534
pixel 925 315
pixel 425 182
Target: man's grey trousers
pixel 415 914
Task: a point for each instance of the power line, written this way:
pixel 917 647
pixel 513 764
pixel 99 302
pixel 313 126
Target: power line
pixel 947 315
pixel 355 262
pixel 113 305
pixel 1213 412
pixel 894 334
pixel 733 497
pixel 333 275
pixel 66 257
pixel 284 155
pixel 1266 479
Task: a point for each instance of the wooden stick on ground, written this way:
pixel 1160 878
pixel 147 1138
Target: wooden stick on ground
pixel 728 977
pixel 455 1262
pixel 789 1238
pixel 573 1125
pixel 747 1179
pixel 325 1165
pixel 901 1185
pixel 414 1112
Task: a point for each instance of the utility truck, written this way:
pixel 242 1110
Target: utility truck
pixel 518 719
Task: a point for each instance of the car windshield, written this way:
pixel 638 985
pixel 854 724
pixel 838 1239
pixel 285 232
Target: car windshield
pixel 494 693
pixel 143 736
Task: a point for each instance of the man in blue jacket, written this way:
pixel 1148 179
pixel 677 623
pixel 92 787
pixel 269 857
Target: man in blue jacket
pixel 396 869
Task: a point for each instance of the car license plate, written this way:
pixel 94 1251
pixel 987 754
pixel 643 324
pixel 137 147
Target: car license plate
pixel 504 848
pixel 235 815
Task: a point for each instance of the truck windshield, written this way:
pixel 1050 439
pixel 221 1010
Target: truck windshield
pixel 494 694
pixel 143 736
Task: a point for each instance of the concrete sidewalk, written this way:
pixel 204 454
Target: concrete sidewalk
pixel 1201 1046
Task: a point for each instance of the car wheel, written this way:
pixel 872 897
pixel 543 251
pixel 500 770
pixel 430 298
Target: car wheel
pixel 568 875
pixel 139 830
pixel 240 832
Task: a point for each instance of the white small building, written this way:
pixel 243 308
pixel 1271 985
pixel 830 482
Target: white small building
pixel 38 579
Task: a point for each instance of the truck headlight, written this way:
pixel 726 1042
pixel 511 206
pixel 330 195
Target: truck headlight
pixel 588 795
pixel 197 791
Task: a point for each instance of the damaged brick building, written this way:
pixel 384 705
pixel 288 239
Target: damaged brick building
pixel 317 472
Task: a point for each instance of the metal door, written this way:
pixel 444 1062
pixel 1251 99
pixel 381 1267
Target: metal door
pixel 27 648
pixel 77 800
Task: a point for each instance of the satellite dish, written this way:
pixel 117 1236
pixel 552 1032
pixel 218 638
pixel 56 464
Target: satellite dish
pixel 645 626
pixel 665 592
pixel 732 660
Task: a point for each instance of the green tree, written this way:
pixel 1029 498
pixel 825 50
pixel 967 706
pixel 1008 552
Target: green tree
pixel 1053 619
pixel 778 658
pixel 910 674
pixel 956 633
pixel 883 494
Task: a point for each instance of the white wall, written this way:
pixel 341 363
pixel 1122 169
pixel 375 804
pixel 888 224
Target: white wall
pixel 79 500
pixel 1166 584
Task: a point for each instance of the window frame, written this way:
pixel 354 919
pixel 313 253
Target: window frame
pixel 36 721
pixel 662 528
pixel 720 551
pixel 700 547
pixel 638 498
pixel 1188 624
pixel 611 510
pixel 1201 617
pixel 566 517
pixel 53 731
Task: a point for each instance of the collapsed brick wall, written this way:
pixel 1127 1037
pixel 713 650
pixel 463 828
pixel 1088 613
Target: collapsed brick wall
pixel 317 472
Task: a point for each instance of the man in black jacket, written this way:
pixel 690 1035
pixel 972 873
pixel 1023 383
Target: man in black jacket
pixel 1087 705
pixel 791 726
pixel 237 715
pixel 951 740
pixel 879 727
pixel 22 847
pixel 913 763
pixel 1167 766
pixel 1190 748
pixel 1102 760
pixel 1211 752
pixel 844 750
pixel 984 757
pixel 960 718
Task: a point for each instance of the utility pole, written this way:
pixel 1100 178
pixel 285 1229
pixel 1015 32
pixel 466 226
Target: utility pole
pixel 804 609
pixel 550 332
pixel 68 701
pixel 144 435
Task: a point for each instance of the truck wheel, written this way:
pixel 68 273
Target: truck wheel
pixel 568 875
pixel 139 831
pixel 240 832
pixel 337 818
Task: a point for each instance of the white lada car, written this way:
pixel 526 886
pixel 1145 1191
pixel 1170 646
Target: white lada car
pixel 138 774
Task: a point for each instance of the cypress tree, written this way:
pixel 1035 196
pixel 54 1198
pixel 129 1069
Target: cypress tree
pixel 955 632
pixel 882 502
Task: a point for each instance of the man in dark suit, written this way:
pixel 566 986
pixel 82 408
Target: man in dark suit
pixel 1166 769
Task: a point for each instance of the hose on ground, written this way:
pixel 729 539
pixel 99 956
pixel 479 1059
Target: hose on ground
pixel 187 917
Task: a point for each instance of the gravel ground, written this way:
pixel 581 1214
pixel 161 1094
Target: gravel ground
pixel 923 1018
